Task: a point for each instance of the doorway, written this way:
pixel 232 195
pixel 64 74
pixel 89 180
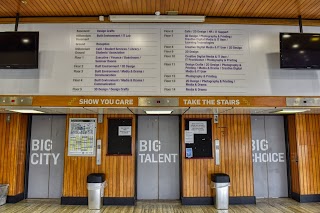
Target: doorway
pixel 269 157
pixel 158 158
pixel 46 156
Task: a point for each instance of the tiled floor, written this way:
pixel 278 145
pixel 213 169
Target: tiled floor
pixel 263 205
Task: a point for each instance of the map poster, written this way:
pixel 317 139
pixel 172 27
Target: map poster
pixel 82 137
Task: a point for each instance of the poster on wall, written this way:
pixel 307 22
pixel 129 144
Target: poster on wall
pixel 198 127
pixel 124 131
pixel 82 137
pixel 189 153
pixel 189 136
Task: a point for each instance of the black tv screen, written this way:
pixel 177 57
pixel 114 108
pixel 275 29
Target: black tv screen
pixel 300 50
pixel 19 50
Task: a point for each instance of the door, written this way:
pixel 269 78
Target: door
pixel 46 156
pixel 158 158
pixel 269 157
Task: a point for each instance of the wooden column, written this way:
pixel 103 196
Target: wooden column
pixel 13 140
pixel 304 136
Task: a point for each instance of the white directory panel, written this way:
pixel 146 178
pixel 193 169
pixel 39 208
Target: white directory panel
pixel 204 60
pixel 116 60
pixel 159 60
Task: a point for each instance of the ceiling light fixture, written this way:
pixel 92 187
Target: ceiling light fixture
pixel 290 111
pixel 101 18
pixel 155 18
pixel 158 112
pixel 25 111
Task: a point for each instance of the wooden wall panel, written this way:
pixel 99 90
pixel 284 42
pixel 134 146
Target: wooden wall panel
pixel 13 140
pixel 119 170
pixel 295 185
pixel 21 152
pixel 234 133
pixel 308 149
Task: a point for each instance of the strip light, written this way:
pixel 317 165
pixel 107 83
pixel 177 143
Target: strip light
pixel 155 18
pixel 158 112
pixel 25 111
pixel 290 111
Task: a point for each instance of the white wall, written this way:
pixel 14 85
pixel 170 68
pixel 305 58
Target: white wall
pixel 263 74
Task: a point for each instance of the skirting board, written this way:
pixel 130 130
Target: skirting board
pixel 305 198
pixel 15 198
pixel 210 200
pixel 127 201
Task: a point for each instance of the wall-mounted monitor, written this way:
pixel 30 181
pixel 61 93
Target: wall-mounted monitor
pixel 19 50
pixel 300 50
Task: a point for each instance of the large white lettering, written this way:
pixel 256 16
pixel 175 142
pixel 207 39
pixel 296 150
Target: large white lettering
pixel 41 152
pixel 260 155
pixel 150 145
pixel 260 145
pixel 268 157
pixel 153 147
pixel 158 158
pixel 41 145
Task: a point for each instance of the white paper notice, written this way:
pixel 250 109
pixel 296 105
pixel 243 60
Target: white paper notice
pixel 124 131
pixel 188 136
pixel 198 127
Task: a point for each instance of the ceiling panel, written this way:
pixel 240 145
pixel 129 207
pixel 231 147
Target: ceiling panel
pixel 243 110
pixel 308 9
pixel 249 110
pixel 110 110
pixel 66 110
pixel 207 110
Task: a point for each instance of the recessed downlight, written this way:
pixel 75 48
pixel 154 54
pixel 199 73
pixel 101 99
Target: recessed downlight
pixel 158 112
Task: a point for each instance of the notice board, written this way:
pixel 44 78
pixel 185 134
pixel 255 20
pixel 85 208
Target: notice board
pixel 119 137
pixel 201 145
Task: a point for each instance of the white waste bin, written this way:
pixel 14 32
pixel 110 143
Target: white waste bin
pixel 95 185
pixel 3 193
pixel 221 183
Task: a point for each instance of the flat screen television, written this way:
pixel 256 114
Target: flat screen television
pixel 19 50
pixel 300 50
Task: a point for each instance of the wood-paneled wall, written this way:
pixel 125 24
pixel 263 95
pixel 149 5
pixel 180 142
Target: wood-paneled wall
pixel 234 133
pixel 13 140
pixel 119 170
pixel 295 186
pixel 308 148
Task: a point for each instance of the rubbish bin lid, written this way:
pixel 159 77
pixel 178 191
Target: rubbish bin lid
pixel 220 178
pixel 96 178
